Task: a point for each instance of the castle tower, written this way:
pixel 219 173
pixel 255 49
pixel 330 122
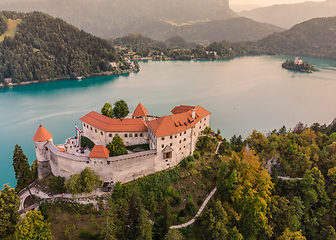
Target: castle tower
pixel 41 138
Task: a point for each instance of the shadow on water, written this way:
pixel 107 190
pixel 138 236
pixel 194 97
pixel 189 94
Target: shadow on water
pixel 65 84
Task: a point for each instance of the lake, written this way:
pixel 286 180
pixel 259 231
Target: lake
pixel 243 94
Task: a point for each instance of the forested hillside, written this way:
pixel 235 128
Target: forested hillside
pixel 48 48
pixel 287 15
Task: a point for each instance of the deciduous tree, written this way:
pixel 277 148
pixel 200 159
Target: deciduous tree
pixel 120 109
pixel 116 147
pixel 33 226
pixel 107 110
pixel 9 211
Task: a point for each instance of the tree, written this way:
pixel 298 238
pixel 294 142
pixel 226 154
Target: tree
pixel 120 109
pixel 21 168
pixel 174 234
pixel 33 226
pixel 215 221
pixel 117 147
pixel 107 110
pixel 9 211
pixel 86 181
pixel 289 235
pixel 56 185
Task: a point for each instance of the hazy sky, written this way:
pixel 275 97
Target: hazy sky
pixel 268 2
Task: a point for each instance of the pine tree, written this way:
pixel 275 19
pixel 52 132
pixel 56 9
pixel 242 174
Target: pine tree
pixel 21 168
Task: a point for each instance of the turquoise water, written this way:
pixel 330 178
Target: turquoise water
pixel 243 94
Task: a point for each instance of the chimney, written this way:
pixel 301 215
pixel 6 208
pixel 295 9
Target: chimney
pixel 193 113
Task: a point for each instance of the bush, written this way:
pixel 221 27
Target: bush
pixel 196 155
pixel 190 207
pixel 88 235
pixel 56 185
pixel 200 202
pixel 86 142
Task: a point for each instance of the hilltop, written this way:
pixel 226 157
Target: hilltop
pixel 287 15
pixel 45 48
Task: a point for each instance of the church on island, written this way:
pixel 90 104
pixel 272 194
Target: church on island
pixel 170 138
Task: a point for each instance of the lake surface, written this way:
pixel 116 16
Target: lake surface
pixel 243 94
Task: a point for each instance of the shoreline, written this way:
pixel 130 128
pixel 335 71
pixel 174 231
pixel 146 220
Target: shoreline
pixel 61 79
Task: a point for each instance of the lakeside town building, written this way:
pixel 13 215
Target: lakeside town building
pixel 170 138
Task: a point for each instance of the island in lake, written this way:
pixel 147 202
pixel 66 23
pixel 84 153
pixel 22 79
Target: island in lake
pixel 298 65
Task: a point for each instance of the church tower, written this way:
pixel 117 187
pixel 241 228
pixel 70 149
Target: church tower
pixel 41 138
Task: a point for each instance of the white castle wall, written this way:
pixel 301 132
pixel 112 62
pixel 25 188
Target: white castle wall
pixel 100 137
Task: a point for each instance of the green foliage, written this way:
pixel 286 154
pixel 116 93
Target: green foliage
pixel 86 142
pixel 304 67
pixel 107 110
pixel 196 155
pixel 9 211
pixel 206 143
pixel 86 182
pixel 48 48
pixel 33 226
pixel 174 234
pixel 56 185
pixel 116 147
pixel 214 221
pixel 120 109
pixel 21 168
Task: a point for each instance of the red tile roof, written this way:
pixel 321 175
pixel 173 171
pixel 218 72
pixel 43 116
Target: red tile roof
pixel 42 134
pixel 62 149
pixel 181 109
pixel 99 151
pixel 176 123
pixel 140 111
pixel 113 124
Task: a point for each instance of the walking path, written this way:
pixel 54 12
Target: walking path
pixel 198 213
pixel 273 162
pixel 218 144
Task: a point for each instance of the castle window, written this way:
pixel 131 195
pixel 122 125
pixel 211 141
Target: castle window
pixel 95 162
pixel 101 162
pixel 91 128
pixel 84 124
pixel 171 137
pixel 46 149
pixel 175 136
pixel 135 135
pixel 125 135
pixel 180 134
pixel 204 119
pixel 180 141
pixel 180 149
pixel 87 162
pixel 117 134
pixel 201 121
pixel 101 132
pixel 110 135
pixel 185 132
pixel 162 146
pixel 200 127
pixel 162 138
pixel 140 134
pixel 167 160
pixel 184 146
pixel 167 155
pixel 184 139
pixel 130 135
pixel 171 144
pixel 108 162
pixel 96 130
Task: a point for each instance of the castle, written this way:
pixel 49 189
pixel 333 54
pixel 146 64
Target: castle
pixel 171 138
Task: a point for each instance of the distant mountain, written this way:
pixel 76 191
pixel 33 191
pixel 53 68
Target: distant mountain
pixel 288 15
pixel 232 29
pixel 244 7
pixel 43 47
pixel 313 38
pixel 117 18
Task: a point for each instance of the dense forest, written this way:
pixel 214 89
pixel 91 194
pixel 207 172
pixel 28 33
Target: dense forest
pixel 314 38
pixel 44 47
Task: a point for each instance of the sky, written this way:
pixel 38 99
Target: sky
pixel 268 2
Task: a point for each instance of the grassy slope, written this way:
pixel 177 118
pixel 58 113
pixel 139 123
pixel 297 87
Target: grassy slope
pixel 11 30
